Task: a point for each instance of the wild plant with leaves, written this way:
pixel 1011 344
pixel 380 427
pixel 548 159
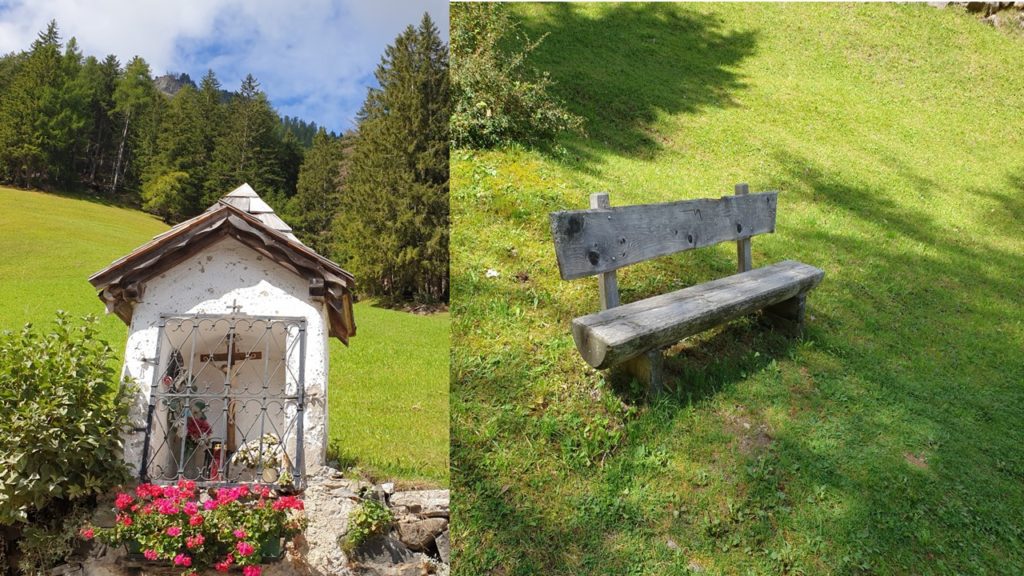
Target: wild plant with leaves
pixel 498 99
pixel 64 412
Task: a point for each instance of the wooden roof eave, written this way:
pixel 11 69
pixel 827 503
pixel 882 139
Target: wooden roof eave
pixel 293 245
pixel 104 276
pixel 190 237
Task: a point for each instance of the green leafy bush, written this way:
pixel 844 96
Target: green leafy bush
pixel 370 519
pixel 62 414
pixel 50 538
pixel 498 99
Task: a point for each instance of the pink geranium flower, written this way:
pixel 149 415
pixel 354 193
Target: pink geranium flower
pixel 166 506
pixel 252 571
pixel 182 560
pixel 244 548
pixel 88 533
pixel 286 502
pixel 173 531
pixel 150 554
pixel 225 564
pixel 190 508
pixel 148 491
pixel 123 501
pixel 195 520
pixel 240 534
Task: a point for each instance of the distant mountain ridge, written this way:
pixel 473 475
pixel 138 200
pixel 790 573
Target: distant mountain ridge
pixel 170 84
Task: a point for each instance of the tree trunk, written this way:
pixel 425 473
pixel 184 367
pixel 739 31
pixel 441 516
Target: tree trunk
pixel 120 153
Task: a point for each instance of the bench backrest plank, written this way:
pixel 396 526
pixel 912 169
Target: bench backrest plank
pixel 596 241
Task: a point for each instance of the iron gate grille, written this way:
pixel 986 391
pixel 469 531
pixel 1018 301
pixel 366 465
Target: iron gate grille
pixel 226 402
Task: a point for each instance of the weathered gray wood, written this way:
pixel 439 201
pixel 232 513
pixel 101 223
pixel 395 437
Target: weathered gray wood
pixel 607 282
pixel 613 336
pixel 745 262
pixel 648 368
pixel 595 241
pixel 788 315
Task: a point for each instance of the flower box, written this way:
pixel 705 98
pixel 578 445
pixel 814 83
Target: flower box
pixel 272 549
pixel 175 526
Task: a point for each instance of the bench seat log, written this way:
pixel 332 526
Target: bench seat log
pixel 613 336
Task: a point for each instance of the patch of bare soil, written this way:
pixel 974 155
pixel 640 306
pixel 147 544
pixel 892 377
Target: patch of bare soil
pixel 751 437
pixel 916 461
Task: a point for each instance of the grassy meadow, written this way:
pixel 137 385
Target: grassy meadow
pixel 388 390
pixel 886 441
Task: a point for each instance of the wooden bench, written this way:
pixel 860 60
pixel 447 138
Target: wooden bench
pixel 603 239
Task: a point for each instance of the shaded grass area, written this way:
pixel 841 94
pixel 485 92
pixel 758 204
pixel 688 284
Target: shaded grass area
pixel 884 442
pixel 388 390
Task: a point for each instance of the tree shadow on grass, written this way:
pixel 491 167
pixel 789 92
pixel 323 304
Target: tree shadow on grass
pixel 623 67
pixel 88 195
pixel 914 454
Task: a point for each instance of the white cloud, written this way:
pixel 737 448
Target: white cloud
pixel 313 58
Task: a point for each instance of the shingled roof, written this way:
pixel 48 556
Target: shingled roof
pixel 244 216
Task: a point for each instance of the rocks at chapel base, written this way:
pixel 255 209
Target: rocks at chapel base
pixel 328 503
pixel 419 535
pixel 416 545
pixel 423 503
pixel 444 547
pixel 382 550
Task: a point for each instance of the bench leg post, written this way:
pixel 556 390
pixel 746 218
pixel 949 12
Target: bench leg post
pixel 788 315
pixel 648 368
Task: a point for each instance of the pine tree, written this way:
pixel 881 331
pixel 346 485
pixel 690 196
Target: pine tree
pixel 317 195
pixel 98 81
pixel 393 226
pixel 247 149
pixel 172 185
pixel 135 101
pixel 213 111
pixel 27 139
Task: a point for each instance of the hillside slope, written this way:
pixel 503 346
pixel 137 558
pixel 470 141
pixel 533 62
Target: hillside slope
pixel 888 440
pixel 388 390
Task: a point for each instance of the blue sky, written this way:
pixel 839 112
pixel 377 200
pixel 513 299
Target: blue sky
pixel 313 58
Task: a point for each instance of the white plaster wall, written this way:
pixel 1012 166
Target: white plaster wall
pixel 209 283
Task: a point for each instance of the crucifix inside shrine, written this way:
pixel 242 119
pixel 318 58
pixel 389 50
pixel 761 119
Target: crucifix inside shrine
pixel 233 357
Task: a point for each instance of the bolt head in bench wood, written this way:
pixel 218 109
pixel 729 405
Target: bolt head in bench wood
pixel 612 336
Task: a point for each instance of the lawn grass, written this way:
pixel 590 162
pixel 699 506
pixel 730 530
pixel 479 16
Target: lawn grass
pixel 888 440
pixel 389 395
pixel 388 390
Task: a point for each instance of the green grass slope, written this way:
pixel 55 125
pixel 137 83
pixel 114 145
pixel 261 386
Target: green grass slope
pixel 888 440
pixel 388 390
